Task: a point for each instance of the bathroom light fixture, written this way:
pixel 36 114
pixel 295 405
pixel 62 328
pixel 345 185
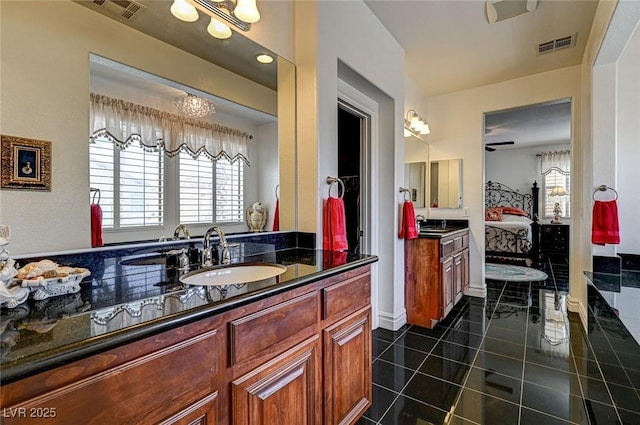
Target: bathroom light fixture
pixel 239 13
pixel 499 10
pixel 264 58
pixel 414 125
pixel 194 106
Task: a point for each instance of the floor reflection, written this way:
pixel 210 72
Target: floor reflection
pixel 517 357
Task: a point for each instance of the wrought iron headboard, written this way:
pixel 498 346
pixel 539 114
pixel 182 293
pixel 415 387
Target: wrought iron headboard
pixel 500 195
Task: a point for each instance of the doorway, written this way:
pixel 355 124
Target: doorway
pixel 352 125
pixel 522 146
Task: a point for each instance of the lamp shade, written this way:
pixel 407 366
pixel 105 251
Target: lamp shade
pixel 218 30
pixel 558 191
pixel 247 11
pixel 184 11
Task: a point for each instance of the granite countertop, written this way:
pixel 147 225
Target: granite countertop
pixel 119 303
pixel 440 228
pixel 621 292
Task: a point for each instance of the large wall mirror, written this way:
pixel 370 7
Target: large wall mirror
pixel 415 174
pixel 445 183
pixel 148 61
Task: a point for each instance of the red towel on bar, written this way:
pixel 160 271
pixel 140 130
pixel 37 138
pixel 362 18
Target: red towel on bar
pixel 408 222
pixel 96 225
pixel 605 228
pixel 276 216
pixel 334 227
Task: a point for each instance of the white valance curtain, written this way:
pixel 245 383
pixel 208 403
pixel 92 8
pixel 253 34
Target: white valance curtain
pixel 125 122
pixel 559 161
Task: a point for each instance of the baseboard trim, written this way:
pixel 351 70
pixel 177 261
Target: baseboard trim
pixel 392 322
pixel 575 306
pixel 477 292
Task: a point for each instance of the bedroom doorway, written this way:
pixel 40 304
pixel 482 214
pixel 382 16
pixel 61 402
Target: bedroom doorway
pixel 527 169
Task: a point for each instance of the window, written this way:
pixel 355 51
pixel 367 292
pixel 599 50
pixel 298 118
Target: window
pixel 556 180
pixel 197 179
pixel 229 191
pixel 131 183
pixel 555 168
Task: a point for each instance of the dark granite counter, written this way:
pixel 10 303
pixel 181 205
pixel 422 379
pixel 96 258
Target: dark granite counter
pixel 621 294
pixel 437 229
pixel 122 303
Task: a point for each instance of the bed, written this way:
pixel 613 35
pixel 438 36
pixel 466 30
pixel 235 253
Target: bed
pixel 511 225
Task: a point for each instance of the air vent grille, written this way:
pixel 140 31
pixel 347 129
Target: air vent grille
pixel 557 44
pixel 124 9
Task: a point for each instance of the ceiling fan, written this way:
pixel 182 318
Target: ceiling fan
pixel 488 148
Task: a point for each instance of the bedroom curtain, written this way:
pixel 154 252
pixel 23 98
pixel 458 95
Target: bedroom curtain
pixel 124 122
pixel 555 168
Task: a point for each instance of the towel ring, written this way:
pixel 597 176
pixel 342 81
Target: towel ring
pixel 604 188
pixel 95 191
pixel 277 192
pixel 331 181
pixel 405 193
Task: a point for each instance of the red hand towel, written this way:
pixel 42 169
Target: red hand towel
pixel 604 226
pixel 276 216
pixel 408 224
pixel 334 229
pixel 96 225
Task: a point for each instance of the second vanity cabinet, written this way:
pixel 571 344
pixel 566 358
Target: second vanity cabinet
pixel 436 276
pixel 302 356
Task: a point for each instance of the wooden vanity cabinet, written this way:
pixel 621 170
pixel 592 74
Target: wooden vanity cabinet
pixel 436 276
pixel 298 357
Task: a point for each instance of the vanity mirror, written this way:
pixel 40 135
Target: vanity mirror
pixel 415 174
pixel 45 95
pixel 445 183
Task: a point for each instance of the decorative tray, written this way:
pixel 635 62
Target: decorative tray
pixel 43 288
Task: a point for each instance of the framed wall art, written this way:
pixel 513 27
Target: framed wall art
pixel 26 163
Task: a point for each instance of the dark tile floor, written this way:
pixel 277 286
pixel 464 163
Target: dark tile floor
pixel 515 357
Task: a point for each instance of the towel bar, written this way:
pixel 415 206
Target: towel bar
pixel 331 181
pixel 604 188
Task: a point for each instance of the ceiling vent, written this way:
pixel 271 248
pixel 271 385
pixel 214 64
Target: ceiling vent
pixel 557 44
pixel 124 9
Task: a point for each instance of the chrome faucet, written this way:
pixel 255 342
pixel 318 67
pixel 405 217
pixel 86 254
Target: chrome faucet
pixel 207 256
pixel 419 218
pixel 185 232
pixel 443 224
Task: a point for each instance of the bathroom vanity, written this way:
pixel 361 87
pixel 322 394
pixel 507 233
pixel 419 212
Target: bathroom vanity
pixel 436 273
pixel 295 349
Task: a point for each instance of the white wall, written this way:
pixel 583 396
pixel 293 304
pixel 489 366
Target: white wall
pixel 325 35
pixel 628 145
pixel 456 121
pixel 518 168
pixel 45 91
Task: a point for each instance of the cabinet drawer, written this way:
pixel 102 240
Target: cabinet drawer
pixel 253 333
pixel 346 296
pixel 453 244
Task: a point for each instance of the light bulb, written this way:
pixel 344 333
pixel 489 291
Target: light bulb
pixel 184 11
pixel 247 11
pixel 425 129
pixel 218 30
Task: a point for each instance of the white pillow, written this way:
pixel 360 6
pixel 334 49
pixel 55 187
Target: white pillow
pixel 511 217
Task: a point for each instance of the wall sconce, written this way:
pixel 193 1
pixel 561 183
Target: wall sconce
pixel 240 13
pixel 414 125
pixel 194 106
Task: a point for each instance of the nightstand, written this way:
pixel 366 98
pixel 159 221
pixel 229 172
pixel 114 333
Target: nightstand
pixel 554 240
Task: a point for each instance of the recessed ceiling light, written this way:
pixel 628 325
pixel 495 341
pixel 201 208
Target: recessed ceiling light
pixel 264 58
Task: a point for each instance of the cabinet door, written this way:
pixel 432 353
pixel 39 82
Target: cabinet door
pixel 202 412
pixel 447 286
pixel 347 368
pixel 285 390
pixel 458 276
pixel 465 270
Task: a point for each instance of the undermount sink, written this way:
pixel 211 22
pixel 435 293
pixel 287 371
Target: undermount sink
pixel 232 274
pixel 435 230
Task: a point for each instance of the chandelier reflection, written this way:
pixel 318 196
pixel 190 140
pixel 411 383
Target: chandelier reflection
pixel 194 106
